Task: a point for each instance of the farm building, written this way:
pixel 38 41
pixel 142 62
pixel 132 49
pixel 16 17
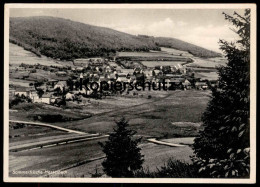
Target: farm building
pixel 22 91
pixel 201 85
pixel 53 98
pixel 61 85
pixel 157 72
pixel 177 82
pixel 52 82
pixel 108 69
pixel 132 78
pixel 148 73
pixel 127 71
pixel 111 76
pixel 79 69
pixel 186 84
pixel 33 96
pixel 81 62
pixel 122 74
pixel 69 96
pixel 169 75
pixel 123 79
pixel 61 73
pixel 46 98
pixel 95 63
pixel 174 68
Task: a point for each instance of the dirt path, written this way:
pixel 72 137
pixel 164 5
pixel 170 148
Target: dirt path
pixel 48 125
pixel 153 140
pixel 52 143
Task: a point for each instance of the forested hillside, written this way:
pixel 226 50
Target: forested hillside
pixel 67 40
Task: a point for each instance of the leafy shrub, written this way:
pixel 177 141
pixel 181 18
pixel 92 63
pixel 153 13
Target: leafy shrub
pixel 15 101
pixel 236 165
pixel 18 99
pixel 172 169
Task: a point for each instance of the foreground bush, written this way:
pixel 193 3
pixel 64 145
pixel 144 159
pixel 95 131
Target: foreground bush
pixel 172 169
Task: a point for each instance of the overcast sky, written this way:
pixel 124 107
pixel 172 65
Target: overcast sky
pixel 201 27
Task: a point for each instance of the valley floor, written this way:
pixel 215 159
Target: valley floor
pixel 164 116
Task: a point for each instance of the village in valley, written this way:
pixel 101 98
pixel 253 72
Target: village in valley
pixel 57 84
pixel 53 105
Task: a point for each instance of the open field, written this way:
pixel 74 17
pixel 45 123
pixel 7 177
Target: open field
pixel 153 117
pixel 155 156
pixel 45 113
pixel 176 52
pixel 150 56
pixel 209 75
pixel 52 135
pixel 31 133
pixel 18 55
pixel 19 82
pixel 143 54
pixel 50 159
pixel 149 117
pixel 17 76
pixel 207 63
pixel 165 115
pixel 152 64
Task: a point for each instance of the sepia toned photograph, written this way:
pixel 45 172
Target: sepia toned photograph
pixel 130 93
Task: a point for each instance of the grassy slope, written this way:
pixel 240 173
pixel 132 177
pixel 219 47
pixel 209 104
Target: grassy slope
pixel 184 46
pixel 65 39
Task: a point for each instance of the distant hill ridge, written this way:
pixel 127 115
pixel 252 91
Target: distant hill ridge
pixel 64 39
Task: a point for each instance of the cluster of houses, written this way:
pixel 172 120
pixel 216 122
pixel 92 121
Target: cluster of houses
pixel 32 94
pixel 99 70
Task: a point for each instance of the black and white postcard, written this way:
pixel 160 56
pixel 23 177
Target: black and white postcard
pixel 143 93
